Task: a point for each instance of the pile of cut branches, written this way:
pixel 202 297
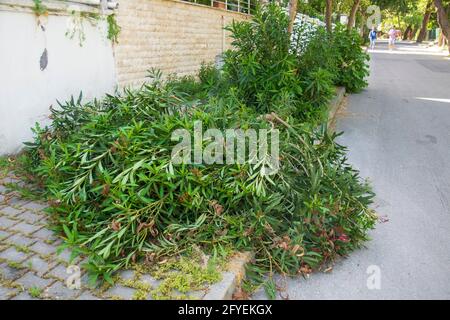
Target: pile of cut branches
pixel 117 195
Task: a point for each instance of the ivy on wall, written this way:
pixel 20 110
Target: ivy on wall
pixel 39 9
pixel 113 28
pixel 76 28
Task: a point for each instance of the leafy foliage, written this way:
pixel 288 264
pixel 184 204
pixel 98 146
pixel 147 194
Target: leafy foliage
pixel 117 196
pixel 260 66
pixel 270 70
pixel 113 28
pixel 351 60
pixel 107 170
pixel 39 9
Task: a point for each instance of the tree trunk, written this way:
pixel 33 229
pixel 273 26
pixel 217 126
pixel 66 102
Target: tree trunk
pixel 363 27
pixel 426 19
pixel 292 14
pixel 441 40
pixel 443 19
pixel 328 13
pixel 407 33
pixel 352 16
pixel 413 33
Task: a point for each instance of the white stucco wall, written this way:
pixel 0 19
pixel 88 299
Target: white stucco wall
pixel 26 92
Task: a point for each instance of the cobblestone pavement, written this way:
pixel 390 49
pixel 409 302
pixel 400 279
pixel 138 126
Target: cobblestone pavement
pixel 31 268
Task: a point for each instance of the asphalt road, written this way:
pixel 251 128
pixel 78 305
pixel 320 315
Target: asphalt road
pixel 398 135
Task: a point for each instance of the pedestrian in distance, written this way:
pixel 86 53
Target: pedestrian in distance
pixel 392 37
pixel 373 38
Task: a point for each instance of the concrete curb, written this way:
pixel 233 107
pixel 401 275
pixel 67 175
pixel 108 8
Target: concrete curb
pixel 231 278
pixel 334 105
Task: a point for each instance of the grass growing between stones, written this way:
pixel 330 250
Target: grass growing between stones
pixel 15 265
pixel 35 292
pixel 182 276
pixel 4 167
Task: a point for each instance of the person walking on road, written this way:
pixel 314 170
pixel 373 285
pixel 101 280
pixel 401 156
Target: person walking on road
pixel 373 38
pixel 392 38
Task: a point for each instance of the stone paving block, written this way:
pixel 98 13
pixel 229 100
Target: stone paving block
pixel 65 256
pixel 17 202
pixel 32 217
pixel 43 248
pixel 85 283
pixel 20 240
pixel 45 234
pixel 12 254
pixel 31 280
pixel 6 293
pixel 68 256
pixel 4 235
pixel 149 280
pixel 198 294
pixel 59 291
pixel 9 273
pixel 120 291
pixel 10 211
pixel 126 274
pixel 35 206
pixel 59 272
pixel 24 296
pixel 86 295
pixel 25 228
pixel 6 222
pixel 38 265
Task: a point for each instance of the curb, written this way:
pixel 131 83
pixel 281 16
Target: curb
pixel 231 278
pixel 334 105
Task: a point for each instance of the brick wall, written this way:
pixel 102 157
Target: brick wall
pixel 173 36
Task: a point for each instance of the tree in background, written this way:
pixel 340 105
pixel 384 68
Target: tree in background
pixel 328 15
pixel 352 15
pixel 312 8
pixel 426 18
pixel 293 4
pixel 413 20
pixel 443 11
pixel 405 15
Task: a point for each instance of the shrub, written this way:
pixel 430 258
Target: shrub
pixel 212 80
pixel 268 68
pixel 117 196
pixel 319 54
pixel 339 53
pixel 260 67
pixel 351 60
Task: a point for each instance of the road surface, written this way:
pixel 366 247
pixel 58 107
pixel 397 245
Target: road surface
pixel 398 135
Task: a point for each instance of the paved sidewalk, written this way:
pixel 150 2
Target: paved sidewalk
pixel 30 267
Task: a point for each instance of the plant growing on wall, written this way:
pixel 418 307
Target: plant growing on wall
pixel 113 28
pixel 76 27
pixel 76 23
pixel 39 9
